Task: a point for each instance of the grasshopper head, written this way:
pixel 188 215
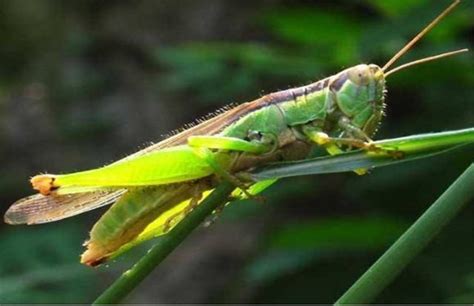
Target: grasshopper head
pixel 359 94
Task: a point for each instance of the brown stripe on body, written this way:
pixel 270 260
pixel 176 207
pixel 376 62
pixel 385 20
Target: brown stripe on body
pixel 233 115
pixel 215 125
pixel 338 81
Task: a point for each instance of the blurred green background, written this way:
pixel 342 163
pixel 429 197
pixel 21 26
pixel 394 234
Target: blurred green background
pixel 84 83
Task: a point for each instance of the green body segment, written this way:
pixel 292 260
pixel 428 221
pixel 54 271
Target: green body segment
pixel 306 106
pixel 268 119
pixel 364 108
pixel 351 100
pixel 281 111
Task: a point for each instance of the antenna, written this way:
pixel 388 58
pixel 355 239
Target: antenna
pixel 420 35
pixel 424 60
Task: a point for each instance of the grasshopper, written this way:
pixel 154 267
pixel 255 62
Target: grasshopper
pixel 154 188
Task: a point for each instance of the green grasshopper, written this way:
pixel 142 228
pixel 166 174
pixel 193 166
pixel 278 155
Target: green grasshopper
pixel 156 187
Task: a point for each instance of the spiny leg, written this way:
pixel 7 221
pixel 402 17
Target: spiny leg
pixel 332 144
pixel 193 203
pixel 328 142
pixel 352 130
pixel 356 138
pixel 357 135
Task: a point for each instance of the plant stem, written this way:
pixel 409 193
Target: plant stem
pixel 390 264
pixel 131 278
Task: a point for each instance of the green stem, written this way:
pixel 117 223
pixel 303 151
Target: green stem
pixel 390 264
pixel 131 278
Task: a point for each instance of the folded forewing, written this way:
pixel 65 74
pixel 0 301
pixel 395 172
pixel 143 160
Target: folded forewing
pixel 38 208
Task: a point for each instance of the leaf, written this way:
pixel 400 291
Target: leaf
pixel 396 7
pixel 296 246
pixel 334 33
pixel 348 232
pixel 43 268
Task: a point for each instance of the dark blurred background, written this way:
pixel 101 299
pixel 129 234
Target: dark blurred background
pixel 83 83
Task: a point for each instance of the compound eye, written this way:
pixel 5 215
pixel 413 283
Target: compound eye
pixel 360 74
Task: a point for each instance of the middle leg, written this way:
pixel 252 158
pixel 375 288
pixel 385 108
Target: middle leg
pixel 203 146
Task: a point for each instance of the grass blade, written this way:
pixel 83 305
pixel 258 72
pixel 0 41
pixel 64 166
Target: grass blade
pixel 410 148
pixel 410 244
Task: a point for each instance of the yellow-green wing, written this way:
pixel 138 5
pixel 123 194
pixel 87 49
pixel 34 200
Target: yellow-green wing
pixel 146 213
pixel 127 218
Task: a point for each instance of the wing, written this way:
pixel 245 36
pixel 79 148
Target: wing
pixel 38 208
pixel 144 214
